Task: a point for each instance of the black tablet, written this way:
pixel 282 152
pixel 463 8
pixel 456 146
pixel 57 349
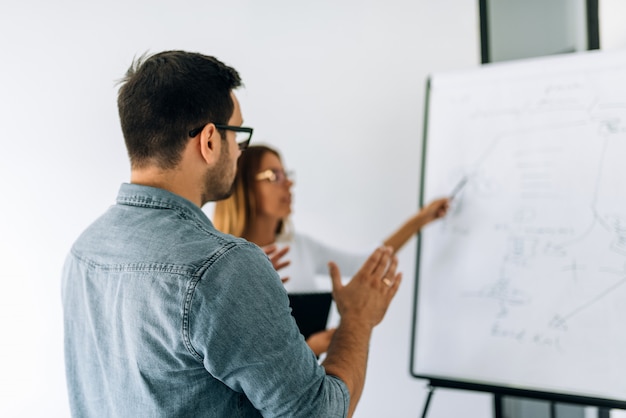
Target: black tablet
pixel 310 311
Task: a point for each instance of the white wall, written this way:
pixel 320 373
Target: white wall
pixel 338 86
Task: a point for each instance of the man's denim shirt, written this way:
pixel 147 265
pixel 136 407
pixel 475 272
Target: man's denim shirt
pixel 167 317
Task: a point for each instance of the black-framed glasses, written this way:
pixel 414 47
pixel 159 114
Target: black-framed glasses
pixel 242 134
pixel 274 175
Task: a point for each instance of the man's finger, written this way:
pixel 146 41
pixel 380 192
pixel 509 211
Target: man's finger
pixel 335 275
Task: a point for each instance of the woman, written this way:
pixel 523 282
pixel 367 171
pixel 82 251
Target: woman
pixel 259 209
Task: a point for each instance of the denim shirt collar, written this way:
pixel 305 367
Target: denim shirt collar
pixel 156 198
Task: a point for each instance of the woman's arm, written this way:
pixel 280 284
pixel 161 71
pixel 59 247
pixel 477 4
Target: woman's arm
pixel 432 211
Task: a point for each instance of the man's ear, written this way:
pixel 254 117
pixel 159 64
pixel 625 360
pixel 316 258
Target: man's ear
pixel 210 141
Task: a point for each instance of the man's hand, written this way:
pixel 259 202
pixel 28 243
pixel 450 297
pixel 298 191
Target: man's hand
pixel 362 304
pixel 368 295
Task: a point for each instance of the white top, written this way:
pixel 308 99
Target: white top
pixel 308 271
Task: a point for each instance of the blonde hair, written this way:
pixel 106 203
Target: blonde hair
pixel 230 214
pixel 235 214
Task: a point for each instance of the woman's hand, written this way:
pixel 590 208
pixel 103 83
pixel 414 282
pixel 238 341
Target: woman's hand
pixel 320 341
pixel 276 257
pixel 435 209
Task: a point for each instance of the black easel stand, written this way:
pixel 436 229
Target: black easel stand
pixel 498 404
pixel 431 389
pixel 498 408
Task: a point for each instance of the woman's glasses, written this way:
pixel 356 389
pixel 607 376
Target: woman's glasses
pixel 274 175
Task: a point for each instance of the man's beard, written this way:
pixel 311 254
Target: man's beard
pixel 219 180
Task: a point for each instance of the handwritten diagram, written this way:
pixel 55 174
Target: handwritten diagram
pixel 533 252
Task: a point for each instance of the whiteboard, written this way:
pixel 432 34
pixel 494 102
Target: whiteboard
pixel 521 288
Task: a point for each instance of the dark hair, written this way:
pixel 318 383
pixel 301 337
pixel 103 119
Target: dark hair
pixel 166 95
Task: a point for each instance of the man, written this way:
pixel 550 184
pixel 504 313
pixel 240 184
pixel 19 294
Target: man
pixel 166 316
